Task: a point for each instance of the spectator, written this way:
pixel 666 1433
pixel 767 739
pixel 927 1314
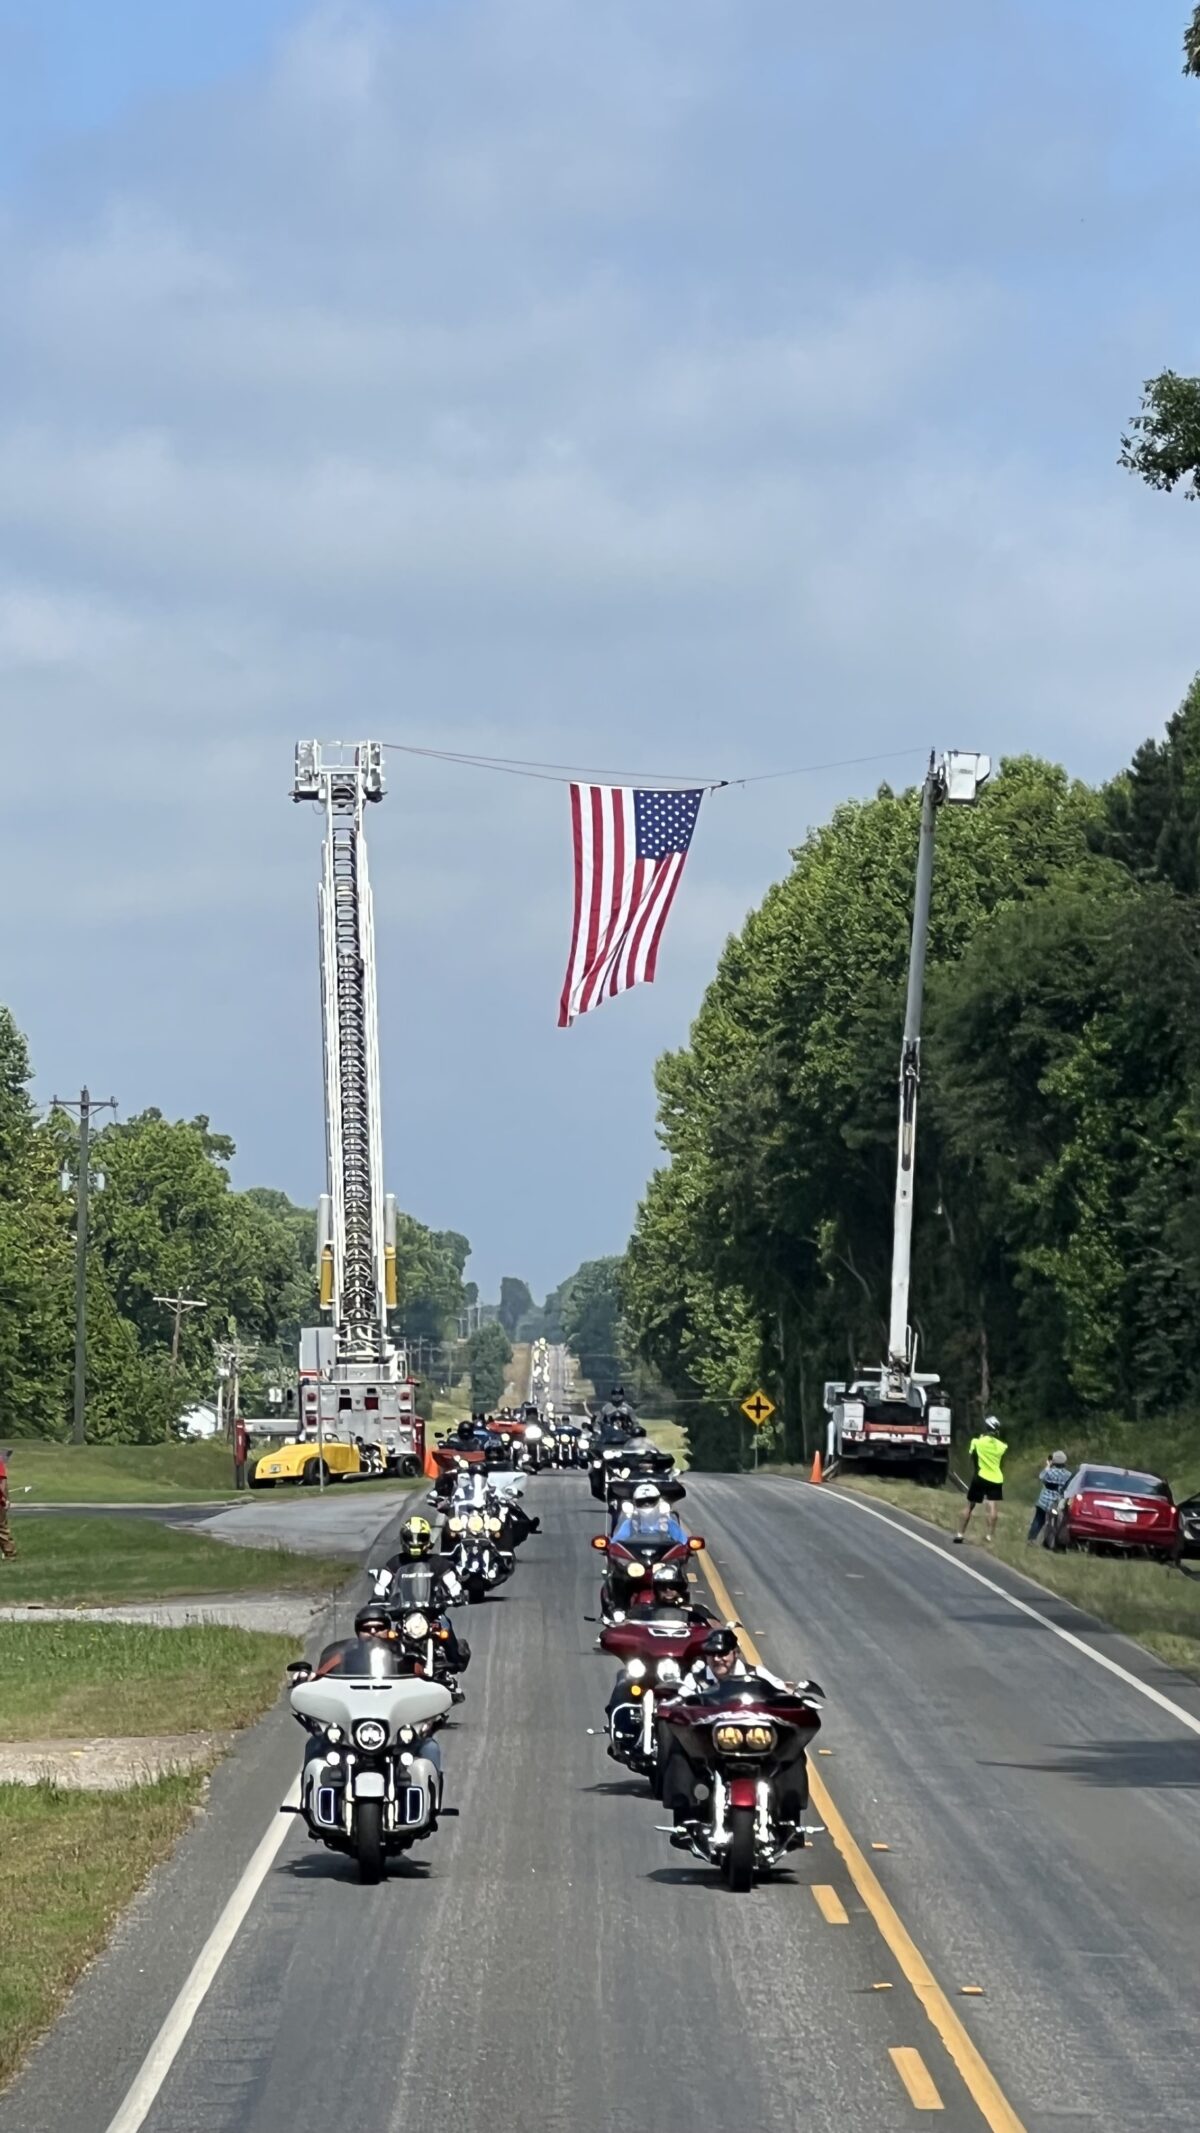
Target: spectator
pixel 987 1479
pixel 1054 1478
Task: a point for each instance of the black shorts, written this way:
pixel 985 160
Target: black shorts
pixel 985 1491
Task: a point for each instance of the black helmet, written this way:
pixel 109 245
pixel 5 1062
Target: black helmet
pixel 720 1644
pixel 373 1616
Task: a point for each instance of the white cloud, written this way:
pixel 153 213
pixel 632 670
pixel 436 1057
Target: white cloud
pixel 536 378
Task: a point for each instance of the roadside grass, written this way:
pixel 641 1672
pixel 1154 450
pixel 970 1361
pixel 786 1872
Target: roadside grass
pixel 516 1387
pixel 90 1561
pixel 69 1863
pixel 672 1438
pixel 80 1680
pixel 1158 1607
pixel 116 1473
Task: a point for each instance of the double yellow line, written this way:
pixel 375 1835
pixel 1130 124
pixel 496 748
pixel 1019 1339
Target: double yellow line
pixel 978 2079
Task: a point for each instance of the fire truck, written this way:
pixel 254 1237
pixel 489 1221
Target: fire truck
pixel 354 1384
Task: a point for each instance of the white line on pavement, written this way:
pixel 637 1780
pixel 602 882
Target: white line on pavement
pixel 165 2049
pixel 954 1562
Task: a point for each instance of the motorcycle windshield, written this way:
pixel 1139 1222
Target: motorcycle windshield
pixel 415 1588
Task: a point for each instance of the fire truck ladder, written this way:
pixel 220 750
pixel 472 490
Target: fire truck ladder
pixel 357 1224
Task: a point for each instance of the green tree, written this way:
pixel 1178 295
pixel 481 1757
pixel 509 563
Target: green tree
pixel 516 1300
pixel 36 1257
pixel 1162 444
pixel 489 1354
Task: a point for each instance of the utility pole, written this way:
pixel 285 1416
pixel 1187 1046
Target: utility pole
pixel 85 1106
pixel 179 1304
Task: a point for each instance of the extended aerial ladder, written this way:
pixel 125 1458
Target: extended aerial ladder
pixel 893 1413
pixel 353 1382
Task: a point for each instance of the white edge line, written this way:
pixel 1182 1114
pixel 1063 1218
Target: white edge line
pixel 1023 1607
pixel 165 2049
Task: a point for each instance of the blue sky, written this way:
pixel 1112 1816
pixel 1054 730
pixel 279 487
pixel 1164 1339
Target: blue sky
pixel 699 384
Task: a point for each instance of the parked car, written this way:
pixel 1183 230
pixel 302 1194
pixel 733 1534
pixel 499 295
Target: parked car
pixel 1189 1519
pixel 299 1460
pixel 1115 1507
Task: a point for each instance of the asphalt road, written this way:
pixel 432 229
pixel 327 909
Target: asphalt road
pixel 551 1963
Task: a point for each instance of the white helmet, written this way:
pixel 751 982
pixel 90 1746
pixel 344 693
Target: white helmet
pixel 646 1492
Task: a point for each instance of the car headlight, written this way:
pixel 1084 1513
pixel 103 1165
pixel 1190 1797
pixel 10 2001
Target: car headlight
pixel 668 1670
pixel 635 1570
pixel 416 1624
pixel 370 1733
pixel 635 1670
pixel 333 1733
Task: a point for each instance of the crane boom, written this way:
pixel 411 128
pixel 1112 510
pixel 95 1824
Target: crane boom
pixel 364 1384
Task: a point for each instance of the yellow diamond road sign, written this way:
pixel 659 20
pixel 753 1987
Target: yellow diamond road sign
pixel 758 1409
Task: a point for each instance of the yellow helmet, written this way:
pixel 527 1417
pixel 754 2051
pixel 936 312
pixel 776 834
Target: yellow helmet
pixel 416 1536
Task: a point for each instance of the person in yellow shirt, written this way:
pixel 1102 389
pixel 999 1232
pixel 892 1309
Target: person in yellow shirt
pixel 987 1478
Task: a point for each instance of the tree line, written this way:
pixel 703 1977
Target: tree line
pixel 1057 1247
pixel 165 1220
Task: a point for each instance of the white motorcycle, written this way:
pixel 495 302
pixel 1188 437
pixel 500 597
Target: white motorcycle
pixel 372 1789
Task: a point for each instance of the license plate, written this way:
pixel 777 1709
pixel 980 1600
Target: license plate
pixel 1127 1518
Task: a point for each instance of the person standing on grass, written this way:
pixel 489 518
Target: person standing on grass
pixel 987 1479
pixel 1054 1478
pixel 7 1544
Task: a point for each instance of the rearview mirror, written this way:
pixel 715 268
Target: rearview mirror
pixel 696 1543
pixel 299 1670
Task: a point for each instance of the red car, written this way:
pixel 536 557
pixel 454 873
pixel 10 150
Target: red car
pixel 1114 1507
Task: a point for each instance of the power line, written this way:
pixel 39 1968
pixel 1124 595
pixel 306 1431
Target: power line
pixel 570 773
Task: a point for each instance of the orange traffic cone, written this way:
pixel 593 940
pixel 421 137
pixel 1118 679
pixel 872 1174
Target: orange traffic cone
pixel 432 1469
pixel 816 1474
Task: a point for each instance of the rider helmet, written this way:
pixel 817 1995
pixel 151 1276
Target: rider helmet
pixel 720 1644
pixel 416 1537
pixel 646 1493
pixel 372 1620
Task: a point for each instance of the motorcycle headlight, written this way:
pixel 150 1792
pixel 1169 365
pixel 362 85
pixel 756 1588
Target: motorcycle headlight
pixel 475 1523
pixel 532 1433
pixel 407 1733
pixel 455 1525
pixel 416 1625
pixel 668 1670
pixel 635 1570
pixel 493 1525
pixel 370 1733
pixel 744 1740
pixel 635 1670
pixel 334 1733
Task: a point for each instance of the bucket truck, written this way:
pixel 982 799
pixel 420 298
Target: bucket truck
pixel 892 1413
pixel 354 1385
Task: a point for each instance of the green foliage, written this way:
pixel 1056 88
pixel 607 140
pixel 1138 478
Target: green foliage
pixel 1162 443
pixel 164 1220
pixel 516 1302
pixel 1191 45
pixel 1057 1245
pixel 489 1353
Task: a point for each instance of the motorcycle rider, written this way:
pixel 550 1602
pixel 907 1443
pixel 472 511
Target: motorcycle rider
pixel 371 1652
pixel 683 1790
pixel 416 1546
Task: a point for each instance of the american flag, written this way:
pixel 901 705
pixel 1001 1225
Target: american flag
pixel 629 853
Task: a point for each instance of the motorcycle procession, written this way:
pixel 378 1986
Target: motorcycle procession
pixel 721 1743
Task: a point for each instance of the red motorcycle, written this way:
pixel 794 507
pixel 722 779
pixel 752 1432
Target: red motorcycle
pixel 656 1646
pixel 735 1773
pixel 651 1563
